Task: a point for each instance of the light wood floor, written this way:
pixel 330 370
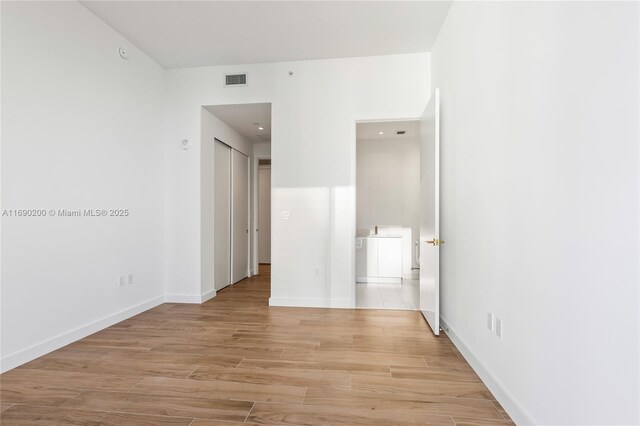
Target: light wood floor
pixel 234 359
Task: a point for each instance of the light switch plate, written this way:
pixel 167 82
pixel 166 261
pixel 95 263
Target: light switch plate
pixel 490 321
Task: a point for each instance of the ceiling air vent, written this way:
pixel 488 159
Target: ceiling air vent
pixel 235 80
pixel 401 132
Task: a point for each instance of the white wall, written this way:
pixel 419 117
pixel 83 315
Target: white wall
pixel 262 149
pixel 540 203
pixel 81 129
pixel 388 187
pixel 187 91
pixel 313 175
pixel 211 128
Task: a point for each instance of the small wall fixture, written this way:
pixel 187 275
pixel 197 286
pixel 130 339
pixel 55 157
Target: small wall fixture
pixel 122 53
pixel 184 144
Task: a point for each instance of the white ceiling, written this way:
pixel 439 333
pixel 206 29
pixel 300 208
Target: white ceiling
pixel 198 33
pixel 246 118
pixel 371 130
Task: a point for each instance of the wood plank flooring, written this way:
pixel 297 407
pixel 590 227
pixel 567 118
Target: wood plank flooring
pixel 234 359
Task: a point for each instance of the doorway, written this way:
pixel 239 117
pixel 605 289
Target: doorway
pixel 388 214
pixel 234 138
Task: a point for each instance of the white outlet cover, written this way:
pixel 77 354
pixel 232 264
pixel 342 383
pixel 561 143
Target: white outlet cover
pixel 490 321
pixel 130 279
pixel 121 282
pixel 285 214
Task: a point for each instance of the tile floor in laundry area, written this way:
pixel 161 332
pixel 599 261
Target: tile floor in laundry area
pixel 404 296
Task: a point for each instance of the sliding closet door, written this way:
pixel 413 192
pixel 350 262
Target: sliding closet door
pixel 222 215
pixel 239 216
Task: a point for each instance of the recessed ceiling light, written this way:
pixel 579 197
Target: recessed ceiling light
pixel 381 133
pixel 260 128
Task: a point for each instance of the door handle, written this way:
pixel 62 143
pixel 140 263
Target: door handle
pixel 435 242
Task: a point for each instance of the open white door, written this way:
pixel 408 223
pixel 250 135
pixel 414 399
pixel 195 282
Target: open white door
pixel 430 213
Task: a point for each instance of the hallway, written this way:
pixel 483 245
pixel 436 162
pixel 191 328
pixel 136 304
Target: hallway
pixel 236 359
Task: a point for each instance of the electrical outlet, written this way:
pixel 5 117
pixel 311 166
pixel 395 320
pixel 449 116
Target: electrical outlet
pixel 130 279
pixel 121 282
pixel 285 214
pixel 317 271
pixel 499 327
pixel 490 321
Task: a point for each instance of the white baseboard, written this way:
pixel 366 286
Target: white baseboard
pixel 182 298
pixel 189 298
pixel 207 296
pixel 504 397
pixel 310 303
pixel 25 355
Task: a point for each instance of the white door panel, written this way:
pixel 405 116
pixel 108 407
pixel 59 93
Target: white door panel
pixel 239 216
pixel 390 257
pixel 361 257
pixel 429 212
pixel 222 215
pixel 371 269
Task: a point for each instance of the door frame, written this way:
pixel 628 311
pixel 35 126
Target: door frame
pixel 254 268
pixel 354 219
